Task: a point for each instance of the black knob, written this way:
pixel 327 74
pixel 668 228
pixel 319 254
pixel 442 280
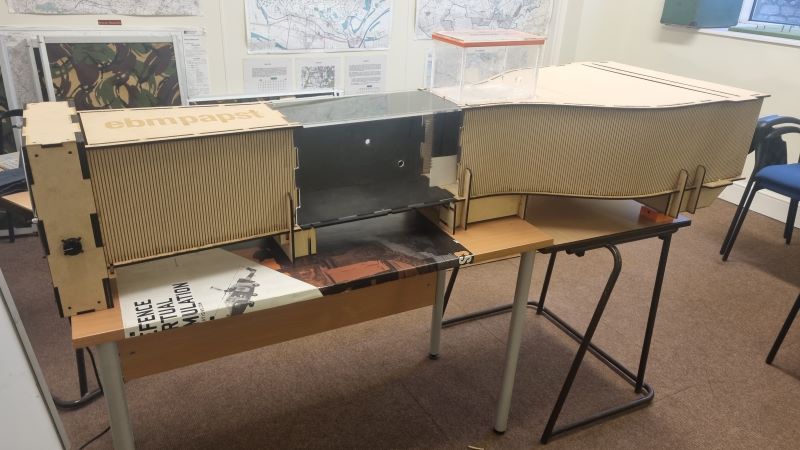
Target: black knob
pixel 72 246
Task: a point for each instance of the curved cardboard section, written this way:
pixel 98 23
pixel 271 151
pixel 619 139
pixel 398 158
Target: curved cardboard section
pixel 602 152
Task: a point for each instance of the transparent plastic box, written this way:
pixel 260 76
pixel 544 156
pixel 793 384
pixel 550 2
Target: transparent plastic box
pixel 485 66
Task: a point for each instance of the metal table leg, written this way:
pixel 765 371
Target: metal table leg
pixel 11 236
pixel 114 389
pixel 449 291
pixel 438 312
pixel 521 292
pixel 651 319
pixel 634 379
pixel 587 339
pixel 546 284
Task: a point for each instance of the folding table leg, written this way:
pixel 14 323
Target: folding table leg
pixel 436 316
pixel 546 285
pixel 449 291
pixel 114 389
pixel 587 339
pixel 651 319
pixel 10 218
pixel 521 293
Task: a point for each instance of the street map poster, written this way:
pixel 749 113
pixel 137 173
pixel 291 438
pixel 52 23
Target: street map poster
pixel 277 26
pixel 531 16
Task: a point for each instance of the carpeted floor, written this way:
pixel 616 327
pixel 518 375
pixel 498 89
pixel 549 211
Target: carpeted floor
pixel 372 386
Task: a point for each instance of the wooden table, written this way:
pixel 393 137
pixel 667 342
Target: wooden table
pixel 365 270
pixel 578 226
pixel 20 201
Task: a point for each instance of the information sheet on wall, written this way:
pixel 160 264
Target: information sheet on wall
pixel 532 16
pixel 316 73
pixel 317 25
pixel 267 76
pixel 365 74
pixel 195 59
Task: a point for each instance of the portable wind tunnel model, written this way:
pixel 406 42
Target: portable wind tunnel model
pixel 117 187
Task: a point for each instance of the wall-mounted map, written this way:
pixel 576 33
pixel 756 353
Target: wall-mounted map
pixel 114 75
pixel 532 16
pixel 318 25
pixel 6 135
pixel 21 68
pixel 118 7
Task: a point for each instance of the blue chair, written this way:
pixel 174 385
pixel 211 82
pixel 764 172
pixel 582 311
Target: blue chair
pixel 771 172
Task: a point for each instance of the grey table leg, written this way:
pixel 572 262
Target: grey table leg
pixel 438 312
pixel 521 292
pixel 114 389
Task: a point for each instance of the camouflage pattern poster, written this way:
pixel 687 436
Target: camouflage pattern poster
pixel 114 75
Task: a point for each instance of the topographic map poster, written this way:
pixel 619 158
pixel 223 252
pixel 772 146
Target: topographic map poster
pixel 532 16
pixel 317 25
pixel 121 7
pixel 21 68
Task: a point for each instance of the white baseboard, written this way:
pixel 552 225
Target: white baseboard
pixel 766 202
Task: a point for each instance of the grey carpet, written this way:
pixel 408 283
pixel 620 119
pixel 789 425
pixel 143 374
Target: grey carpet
pixel 371 385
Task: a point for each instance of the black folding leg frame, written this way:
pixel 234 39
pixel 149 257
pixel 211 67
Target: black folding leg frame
pixel 636 380
pixel 10 223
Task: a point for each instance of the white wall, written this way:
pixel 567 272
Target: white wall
pixel 629 31
pixel 25 418
pixel 224 24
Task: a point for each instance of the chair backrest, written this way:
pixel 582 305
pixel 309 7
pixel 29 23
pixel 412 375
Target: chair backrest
pixel 768 144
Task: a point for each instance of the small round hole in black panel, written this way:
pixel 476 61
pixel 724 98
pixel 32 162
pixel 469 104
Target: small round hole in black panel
pixel 400 163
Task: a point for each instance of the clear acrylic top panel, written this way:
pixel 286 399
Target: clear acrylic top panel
pixel 361 108
pixel 486 66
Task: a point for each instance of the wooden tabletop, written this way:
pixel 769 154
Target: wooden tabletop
pixel 501 238
pixel 342 243
pixel 574 220
pixel 97 328
pixel 21 200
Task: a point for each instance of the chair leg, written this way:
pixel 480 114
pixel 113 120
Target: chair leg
pixel 787 232
pixel 738 213
pixel 737 225
pixel 784 330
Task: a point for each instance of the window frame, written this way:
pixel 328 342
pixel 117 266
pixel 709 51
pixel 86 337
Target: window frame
pixel 747 11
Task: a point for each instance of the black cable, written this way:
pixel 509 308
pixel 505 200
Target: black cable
pixel 100 390
pixel 94 367
pixel 69 405
pixel 95 438
pixel 89 397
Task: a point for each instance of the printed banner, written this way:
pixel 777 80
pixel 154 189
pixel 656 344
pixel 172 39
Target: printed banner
pixel 199 287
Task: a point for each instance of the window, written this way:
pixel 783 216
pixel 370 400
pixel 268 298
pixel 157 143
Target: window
pixel 783 12
pixel 778 18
